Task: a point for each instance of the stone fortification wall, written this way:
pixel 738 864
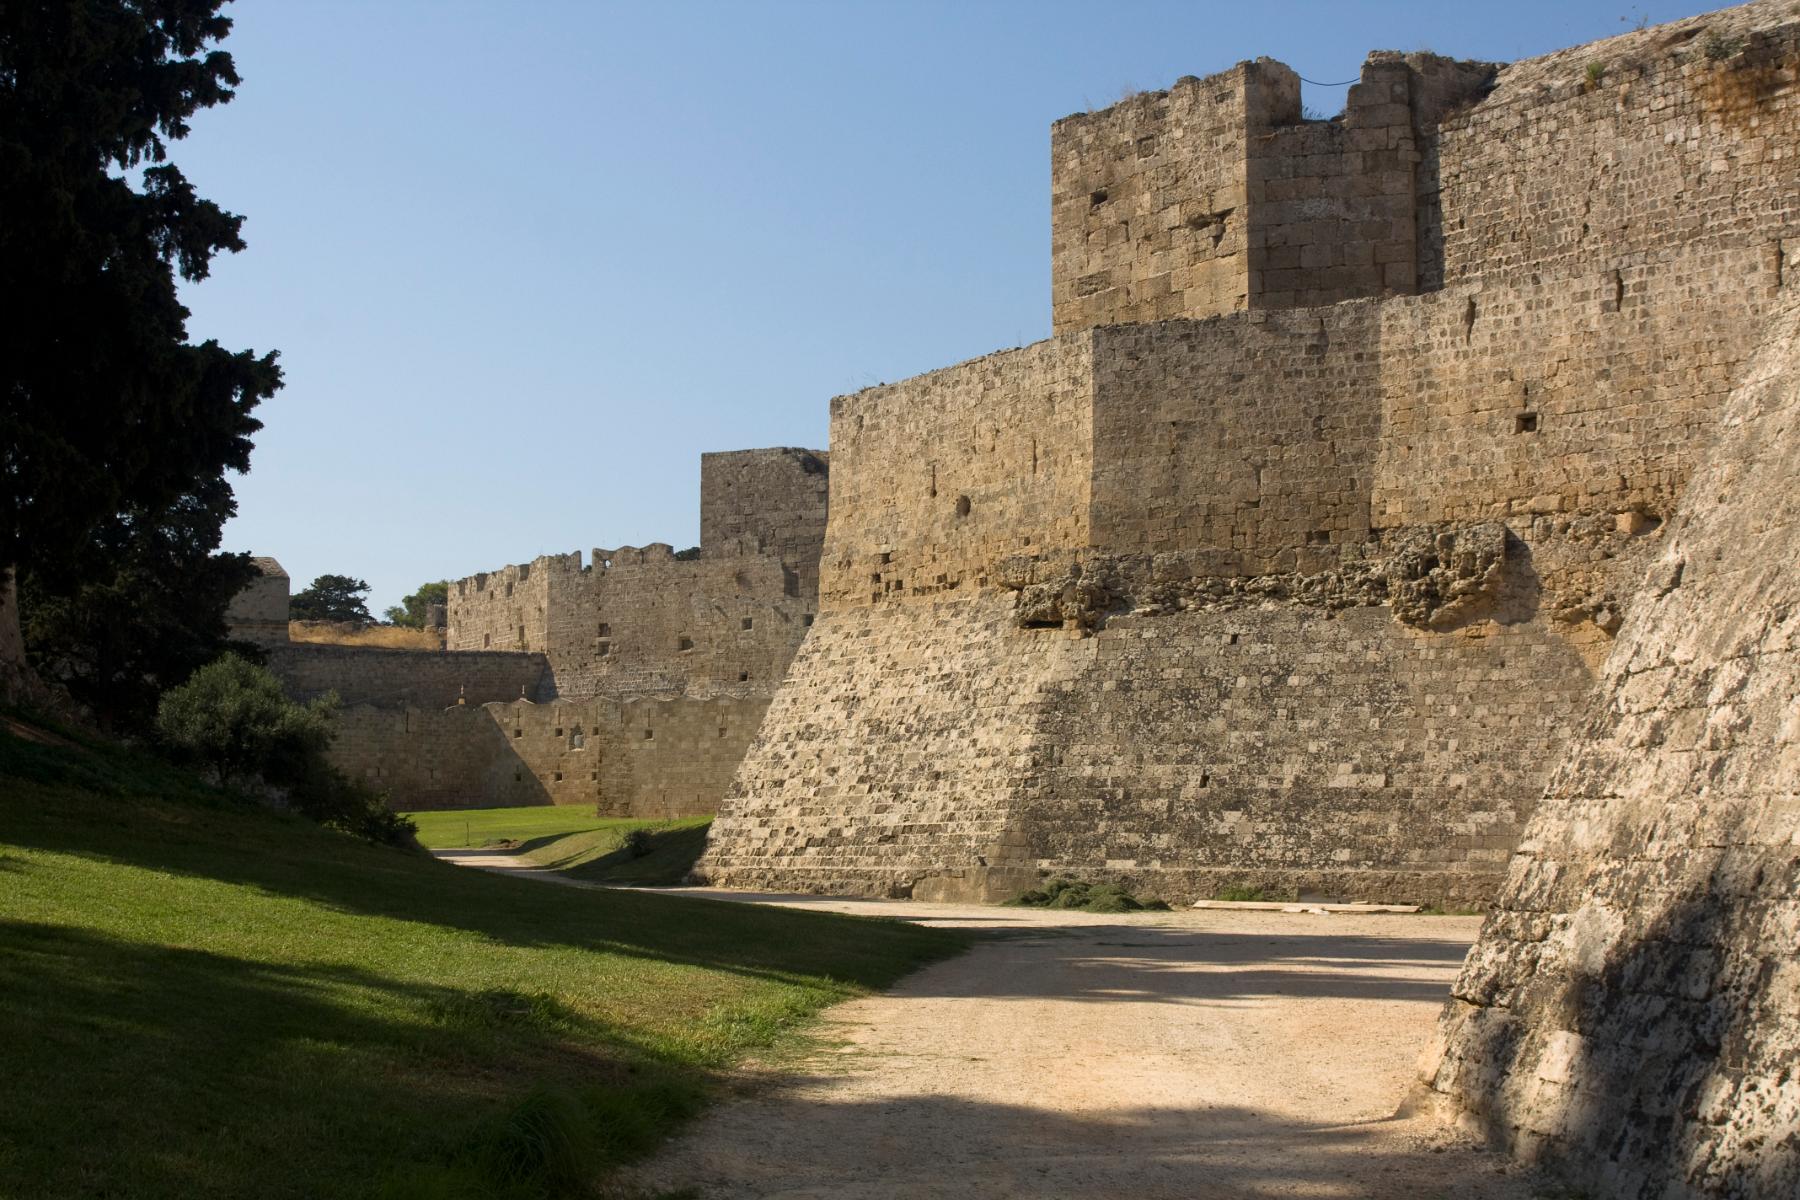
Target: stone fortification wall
pixel 639 621
pixel 368 675
pixel 891 759
pixel 766 501
pixel 1632 1010
pixel 1148 217
pixel 1673 140
pixel 259 613
pixel 1329 753
pixel 642 621
pixel 1217 195
pixel 649 672
pixel 1252 436
pixel 938 750
pixel 507 609
pixel 937 479
pixel 1420 517
pixel 639 758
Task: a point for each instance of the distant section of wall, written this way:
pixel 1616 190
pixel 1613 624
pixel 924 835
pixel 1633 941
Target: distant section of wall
pixel 938 479
pixel 259 613
pixel 506 609
pixel 650 671
pixel 397 678
pixel 645 758
pixel 1631 1013
pixel 356 633
pixel 641 621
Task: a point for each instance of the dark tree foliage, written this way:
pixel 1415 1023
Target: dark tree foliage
pixel 410 612
pixel 332 598
pixel 152 612
pixel 118 431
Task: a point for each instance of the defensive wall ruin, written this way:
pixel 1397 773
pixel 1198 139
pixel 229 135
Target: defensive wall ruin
pixel 1481 577
pixel 1214 588
pixel 633 683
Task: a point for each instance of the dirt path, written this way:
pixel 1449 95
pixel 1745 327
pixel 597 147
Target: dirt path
pixel 1188 1055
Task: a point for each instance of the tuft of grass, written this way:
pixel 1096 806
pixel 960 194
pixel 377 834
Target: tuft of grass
pixel 1244 893
pixel 237 1002
pixel 1595 74
pixel 1088 897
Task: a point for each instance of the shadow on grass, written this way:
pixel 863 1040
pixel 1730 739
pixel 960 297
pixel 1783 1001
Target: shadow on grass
pixel 121 808
pixel 290 858
pixel 203 1074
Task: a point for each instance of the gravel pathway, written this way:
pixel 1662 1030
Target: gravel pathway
pixel 1192 1055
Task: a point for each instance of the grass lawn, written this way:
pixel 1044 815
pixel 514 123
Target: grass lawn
pixel 203 999
pixel 574 841
pixel 464 827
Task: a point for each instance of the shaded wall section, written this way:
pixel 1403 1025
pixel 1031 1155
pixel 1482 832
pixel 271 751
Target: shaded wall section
pixel 639 758
pixel 1631 1013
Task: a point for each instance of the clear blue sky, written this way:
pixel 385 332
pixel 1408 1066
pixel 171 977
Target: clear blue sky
pixel 524 262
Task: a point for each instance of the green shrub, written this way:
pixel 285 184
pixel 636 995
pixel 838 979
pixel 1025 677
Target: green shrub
pixel 637 843
pixel 1242 893
pixel 232 720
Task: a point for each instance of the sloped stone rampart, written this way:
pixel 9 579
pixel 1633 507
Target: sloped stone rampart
pixel 1631 1014
pixel 894 759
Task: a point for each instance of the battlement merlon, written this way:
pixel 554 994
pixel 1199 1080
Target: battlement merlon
pixel 1220 194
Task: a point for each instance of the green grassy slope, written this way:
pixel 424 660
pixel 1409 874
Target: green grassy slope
pixel 200 999
pixel 574 841
pixel 479 826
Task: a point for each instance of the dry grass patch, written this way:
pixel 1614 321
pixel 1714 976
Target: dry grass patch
pixel 349 633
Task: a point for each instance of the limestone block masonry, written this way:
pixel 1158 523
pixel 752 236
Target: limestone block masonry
pixel 631 684
pixel 1631 1013
pixel 259 613
pixel 1289 560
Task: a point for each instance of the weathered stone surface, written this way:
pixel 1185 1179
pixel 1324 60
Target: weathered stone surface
pixel 1631 1013
pixel 1442 580
pixel 632 683
pixel 1299 596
